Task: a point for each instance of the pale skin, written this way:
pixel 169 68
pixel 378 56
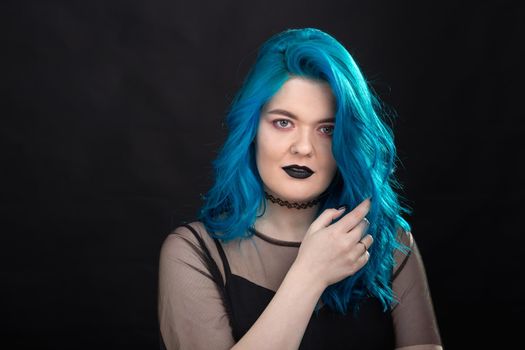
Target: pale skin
pixel 295 129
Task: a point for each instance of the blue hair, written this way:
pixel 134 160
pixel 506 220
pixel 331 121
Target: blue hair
pixel 362 145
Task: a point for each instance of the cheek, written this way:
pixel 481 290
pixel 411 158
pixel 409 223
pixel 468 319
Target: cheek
pixel 265 158
pixel 267 145
pixel 333 168
pixel 325 150
pixel 329 164
pixel 263 149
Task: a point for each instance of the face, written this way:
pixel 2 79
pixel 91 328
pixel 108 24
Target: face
pixel 294 141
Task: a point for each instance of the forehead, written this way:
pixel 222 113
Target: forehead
pixel 304 97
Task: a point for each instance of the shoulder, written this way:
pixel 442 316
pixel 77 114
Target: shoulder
pixel 191 235
pixel 193 232
pixel 405 238
pixel 403 253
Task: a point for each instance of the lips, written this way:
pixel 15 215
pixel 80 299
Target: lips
pixel 298 171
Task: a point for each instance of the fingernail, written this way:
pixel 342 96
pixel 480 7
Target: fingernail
pixel 342 207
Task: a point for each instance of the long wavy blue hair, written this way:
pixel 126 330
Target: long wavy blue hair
pixel 362 145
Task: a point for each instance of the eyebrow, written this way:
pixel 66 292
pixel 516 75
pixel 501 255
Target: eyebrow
pixel 293 116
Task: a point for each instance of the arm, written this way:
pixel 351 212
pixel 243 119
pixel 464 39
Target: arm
pixel 414 319
pixel 283 322
pixel 328 253
pixel 190 308
pixel 192 316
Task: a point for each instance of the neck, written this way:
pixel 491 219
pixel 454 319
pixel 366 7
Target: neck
pixel 287 224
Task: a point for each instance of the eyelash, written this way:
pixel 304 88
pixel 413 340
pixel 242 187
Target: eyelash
pixel 278 121
pixel 331 127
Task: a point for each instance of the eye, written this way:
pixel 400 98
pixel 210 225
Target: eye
pixel 327 130
pixel 282 123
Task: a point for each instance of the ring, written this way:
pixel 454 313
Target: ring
pixel 364 245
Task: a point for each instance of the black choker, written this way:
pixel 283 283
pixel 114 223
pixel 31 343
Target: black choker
pixel 291 205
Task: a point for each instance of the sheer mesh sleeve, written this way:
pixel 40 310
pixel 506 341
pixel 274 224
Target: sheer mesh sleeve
pixel 413 315
pixel 192 312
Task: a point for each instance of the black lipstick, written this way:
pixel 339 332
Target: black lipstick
pixel 298 171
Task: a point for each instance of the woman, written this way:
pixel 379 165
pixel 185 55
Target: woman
pixel 300 242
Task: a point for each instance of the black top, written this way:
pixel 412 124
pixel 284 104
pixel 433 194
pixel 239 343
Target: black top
pixel 205 302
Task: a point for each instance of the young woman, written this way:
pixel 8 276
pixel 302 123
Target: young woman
pixel 301 242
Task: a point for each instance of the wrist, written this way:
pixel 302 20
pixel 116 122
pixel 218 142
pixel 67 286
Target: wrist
pixel 306 278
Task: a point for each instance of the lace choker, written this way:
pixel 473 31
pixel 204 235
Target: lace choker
pixel 294 205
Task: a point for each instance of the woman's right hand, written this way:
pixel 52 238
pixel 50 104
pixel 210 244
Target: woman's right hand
pixel 330 251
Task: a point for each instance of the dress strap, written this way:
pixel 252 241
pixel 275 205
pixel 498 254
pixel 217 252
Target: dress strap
pixel 227 271
pixel 212 265
pixel 214 270
pixel 201 243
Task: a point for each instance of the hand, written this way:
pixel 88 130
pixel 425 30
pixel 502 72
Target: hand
pixel 330 251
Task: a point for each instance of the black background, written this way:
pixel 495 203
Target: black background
pixel 112 113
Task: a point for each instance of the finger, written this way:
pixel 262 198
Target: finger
pixel 365 219
pixel 360 247
pixel 362 260
pixel 366 242
pixel 358 262
pixel 326 218
pixel 350 220
pixel 359 231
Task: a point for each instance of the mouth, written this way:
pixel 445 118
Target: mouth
pixel 298 171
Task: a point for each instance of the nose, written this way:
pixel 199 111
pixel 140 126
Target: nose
pixel 302 145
